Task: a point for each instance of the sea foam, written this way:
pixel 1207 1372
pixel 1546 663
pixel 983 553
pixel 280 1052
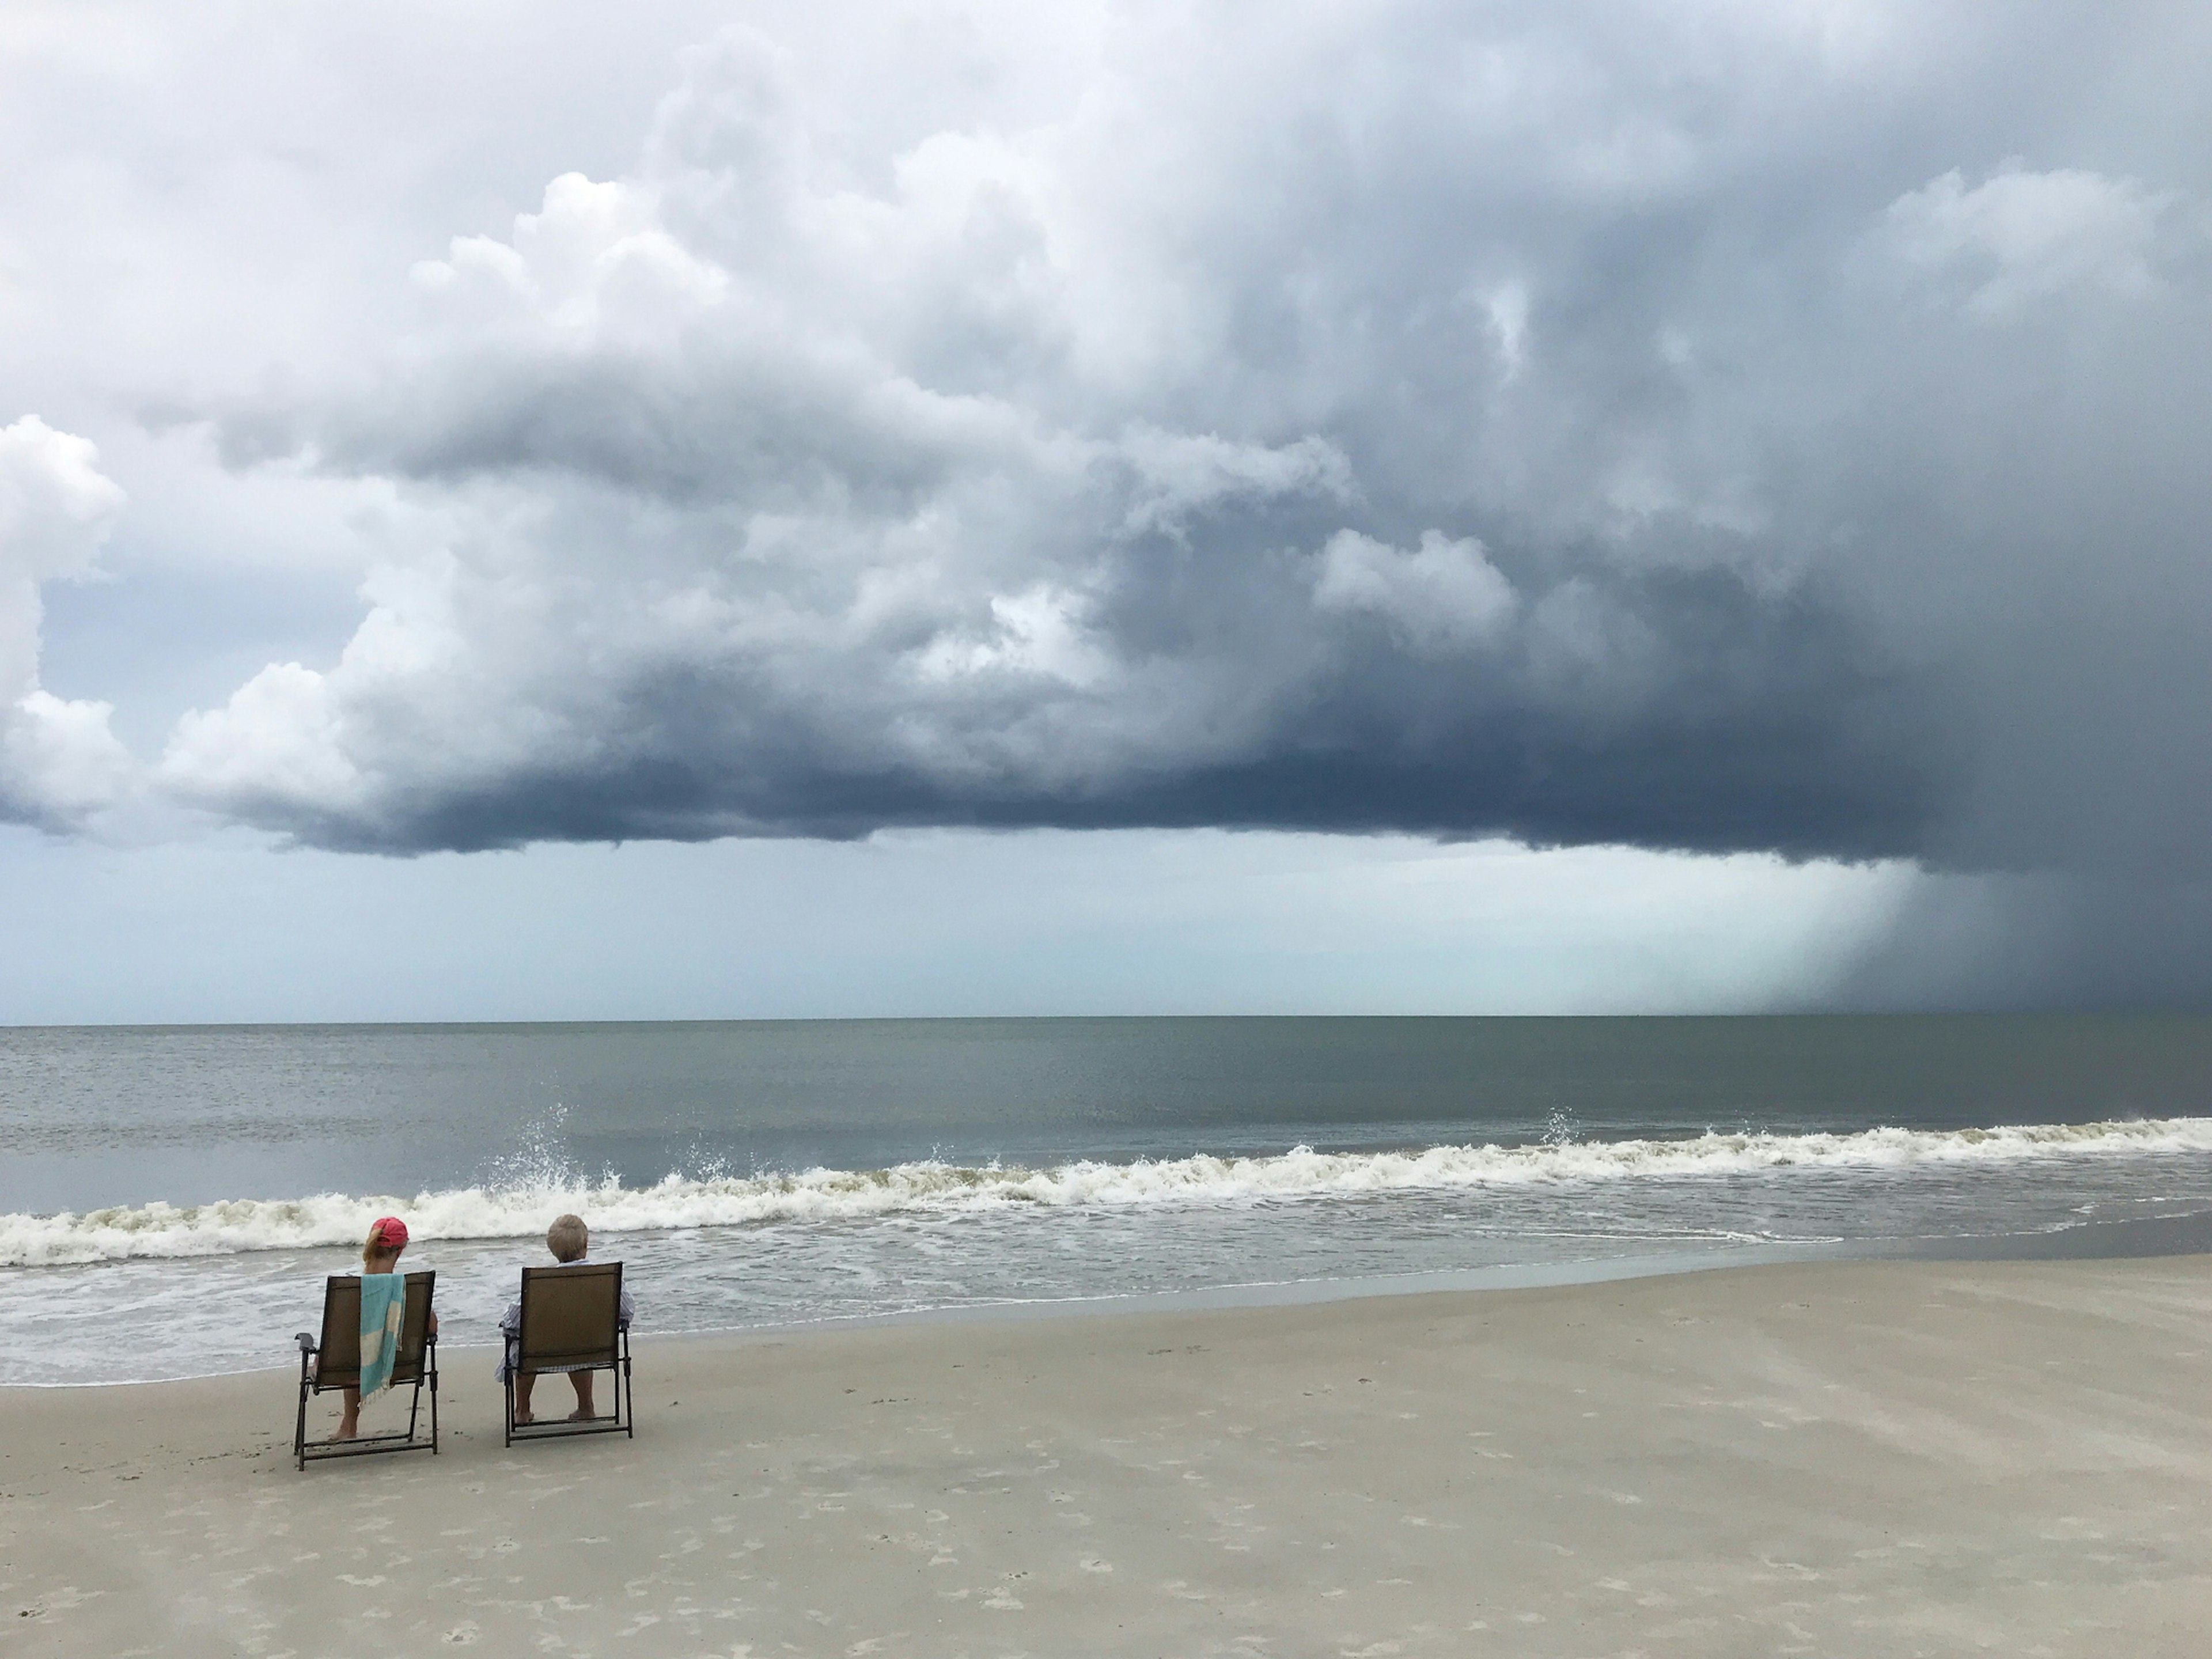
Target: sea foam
pixel 679 1201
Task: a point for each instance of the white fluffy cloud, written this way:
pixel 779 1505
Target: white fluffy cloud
pixel 59 760
pixel 1442 595
pixel 2021 235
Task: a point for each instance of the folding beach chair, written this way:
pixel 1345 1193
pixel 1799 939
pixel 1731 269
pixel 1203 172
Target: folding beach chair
pixel 335 1363
pixel 571 1321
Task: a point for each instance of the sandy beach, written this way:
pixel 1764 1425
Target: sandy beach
pixel 1861 1458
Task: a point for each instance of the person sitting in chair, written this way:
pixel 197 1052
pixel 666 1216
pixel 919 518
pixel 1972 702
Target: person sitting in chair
pixel 570 1241
pixel 387 1237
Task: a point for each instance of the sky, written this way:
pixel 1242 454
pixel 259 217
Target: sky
pixel 557 511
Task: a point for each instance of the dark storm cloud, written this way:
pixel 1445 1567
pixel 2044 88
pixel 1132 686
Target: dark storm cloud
pixel 1729 721
pixel 1709 427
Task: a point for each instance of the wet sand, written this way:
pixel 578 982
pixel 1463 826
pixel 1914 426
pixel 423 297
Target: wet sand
pixel 1848 1458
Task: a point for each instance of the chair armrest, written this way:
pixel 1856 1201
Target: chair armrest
pixel 306 1340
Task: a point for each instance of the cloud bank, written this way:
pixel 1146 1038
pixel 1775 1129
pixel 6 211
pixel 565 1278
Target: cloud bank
pixel 1704 427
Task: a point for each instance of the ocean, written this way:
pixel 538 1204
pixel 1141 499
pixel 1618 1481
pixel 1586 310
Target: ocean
pixel 201 1181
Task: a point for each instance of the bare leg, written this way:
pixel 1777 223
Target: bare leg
pixel 583 1411
pixel 350 1415
pixel 524 1382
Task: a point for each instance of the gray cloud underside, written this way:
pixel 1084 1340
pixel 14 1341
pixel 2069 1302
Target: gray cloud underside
pixel 1586 424
pixel 1770 736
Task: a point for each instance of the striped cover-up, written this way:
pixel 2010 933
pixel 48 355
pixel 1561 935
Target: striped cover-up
pixel 383 1310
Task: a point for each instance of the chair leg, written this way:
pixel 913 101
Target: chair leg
pixel 434 1409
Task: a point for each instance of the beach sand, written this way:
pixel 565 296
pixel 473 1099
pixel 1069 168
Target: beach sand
pixel 1847 1458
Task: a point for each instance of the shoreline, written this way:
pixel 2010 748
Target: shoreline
pixel 2143 1238
pixel 1286 1293
pixel 1859 1457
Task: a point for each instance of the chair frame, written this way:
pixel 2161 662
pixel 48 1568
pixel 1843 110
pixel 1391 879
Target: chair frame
pixel 418 1367
pixel 623 1420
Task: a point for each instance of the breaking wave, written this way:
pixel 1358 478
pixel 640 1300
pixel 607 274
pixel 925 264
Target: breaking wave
pixel 680 1202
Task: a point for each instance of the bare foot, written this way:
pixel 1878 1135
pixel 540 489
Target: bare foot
pixel 523 1419
pixel 580 1415
pixel 348 1431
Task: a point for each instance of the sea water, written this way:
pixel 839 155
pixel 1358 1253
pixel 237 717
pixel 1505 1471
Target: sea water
pixel 200 1180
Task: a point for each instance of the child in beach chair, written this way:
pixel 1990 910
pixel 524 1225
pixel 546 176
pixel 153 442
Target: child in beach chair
pixel 378 1332
pixel 572 1317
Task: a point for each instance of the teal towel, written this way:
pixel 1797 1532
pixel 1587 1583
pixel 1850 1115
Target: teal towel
pixel 383 1310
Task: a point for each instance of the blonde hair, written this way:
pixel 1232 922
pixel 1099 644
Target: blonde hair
pixel 568 1238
